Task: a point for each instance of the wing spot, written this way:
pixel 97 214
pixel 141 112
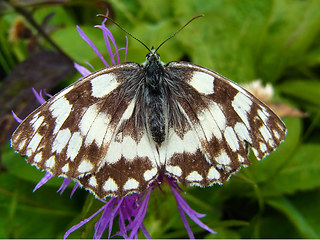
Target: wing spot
pixel 74 145
pixel 144 148
pixel 38 157
pixel 243 132
pixel 110 185
pixel 149 174
pixel 175 170
pixel 22 143
pixel 276 134
pixel 194 177
pixel 213 173
pixel 60 109
pixel 218 115
pixel 263 116
pixel 85 166
pixel 129 148
pixel 263 147
pixel 189 144
pixel 241 159
pixel 131 184
pixel 65 168
pixel 256 153
pixel 113 153
pixel 50 162
pixel 223 158
pixel 61 140
pixel 35 117
pixel 271 143
pixel 37 123
pixel 103 84
pixel 98 129
pixel 208 125
pixel 93 181
pixel 34 143
pixel 87 118
pixel 231 139
pixel 265 133
pixel 64 91
pixel 202 82
pixel 242 105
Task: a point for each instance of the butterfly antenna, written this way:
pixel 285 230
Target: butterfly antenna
pixel 101 15
pixel 201 15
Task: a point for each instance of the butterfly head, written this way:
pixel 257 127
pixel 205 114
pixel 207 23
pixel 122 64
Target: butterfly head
pixel 153 69
pixel 153 62
pixel 152 56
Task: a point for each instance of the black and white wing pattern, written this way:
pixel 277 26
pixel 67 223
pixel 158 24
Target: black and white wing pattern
pixel 84 133
pixel 117 130
pixel 222 121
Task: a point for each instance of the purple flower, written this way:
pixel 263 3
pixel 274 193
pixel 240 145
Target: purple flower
pixel 130 209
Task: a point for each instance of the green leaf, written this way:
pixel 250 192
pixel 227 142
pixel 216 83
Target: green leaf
pixel 307 203
pixel 43 214
pixel 300 172
pixel 17 166
pixel 293 214
pixel 307 91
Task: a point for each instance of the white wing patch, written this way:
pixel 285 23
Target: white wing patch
pixel 175 170
pixel 74 145
pixel 103 84
pixel 98 129
pixel 202 82
pixel 34 143
pixel 85 166
pixel 60 109
pixel 194 177
pixel 110 185
pixel 242 105
pixel 131 184
pixel 175 145
pixel 61 140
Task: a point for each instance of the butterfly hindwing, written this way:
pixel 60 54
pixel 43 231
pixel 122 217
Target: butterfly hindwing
pixel 130 164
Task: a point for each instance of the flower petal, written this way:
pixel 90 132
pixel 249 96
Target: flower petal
pixel 45 179
pixel 64 185
pixel 74 189
pixel 105 218
pixel 38 96
pixel 140 215
pixel 75 227
pixel 183 206
pixel 16 117
pixel 81 69
pixel 96 51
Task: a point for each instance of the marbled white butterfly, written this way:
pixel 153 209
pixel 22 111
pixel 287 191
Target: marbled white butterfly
pixel 117 130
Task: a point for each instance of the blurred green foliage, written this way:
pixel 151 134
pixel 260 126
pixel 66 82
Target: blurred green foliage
pixel 274 40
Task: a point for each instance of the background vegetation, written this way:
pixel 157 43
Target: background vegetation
pixel 275 41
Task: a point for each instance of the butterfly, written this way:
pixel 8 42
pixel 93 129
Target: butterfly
pixel 117 130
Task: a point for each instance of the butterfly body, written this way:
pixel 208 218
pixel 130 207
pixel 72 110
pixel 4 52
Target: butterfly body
pixel 119 129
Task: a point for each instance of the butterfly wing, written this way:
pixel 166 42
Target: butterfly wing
pixel 130 163
pixel 69 135
pixel 223 121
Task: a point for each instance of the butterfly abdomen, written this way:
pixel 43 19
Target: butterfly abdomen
pixel 156 118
